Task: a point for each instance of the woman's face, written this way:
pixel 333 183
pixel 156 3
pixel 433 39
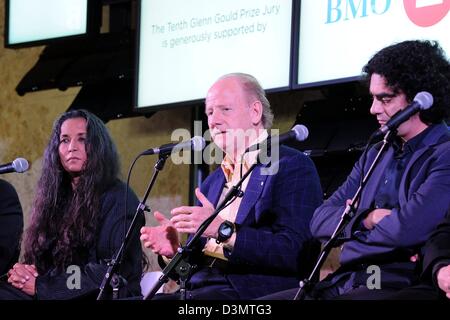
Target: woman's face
pixel 72 145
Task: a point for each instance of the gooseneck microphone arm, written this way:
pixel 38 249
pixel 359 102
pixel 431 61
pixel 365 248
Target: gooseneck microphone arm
pixel 307 285
pixel 197 143
pixel 111 279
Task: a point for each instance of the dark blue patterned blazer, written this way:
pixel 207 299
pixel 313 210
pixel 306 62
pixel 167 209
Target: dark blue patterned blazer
pixel 273 245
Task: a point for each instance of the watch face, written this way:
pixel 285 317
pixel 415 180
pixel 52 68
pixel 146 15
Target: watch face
pixel 226 230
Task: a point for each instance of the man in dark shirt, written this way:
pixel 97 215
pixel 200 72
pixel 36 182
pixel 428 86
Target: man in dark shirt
pixel 407 194
pixel 409 191
pixel 11 226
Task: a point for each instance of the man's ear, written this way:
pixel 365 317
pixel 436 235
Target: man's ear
pixel 256 111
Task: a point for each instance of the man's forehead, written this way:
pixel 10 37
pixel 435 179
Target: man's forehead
pixel 221 94
pixel 228 83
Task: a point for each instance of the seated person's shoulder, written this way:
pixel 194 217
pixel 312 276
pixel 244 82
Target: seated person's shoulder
pixel 294 156
pixel 118 187
pixel 115 194
pixel 6 188
pixel 9 199
pixel 291 152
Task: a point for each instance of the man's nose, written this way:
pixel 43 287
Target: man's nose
pixel 214 119
pixel 376 107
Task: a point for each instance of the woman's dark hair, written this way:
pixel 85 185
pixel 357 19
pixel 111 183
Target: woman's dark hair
pixel 64 221
pixel 414 66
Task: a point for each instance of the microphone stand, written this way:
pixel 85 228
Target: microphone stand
pixel 179 262
pixel 307 285
pixel 110 278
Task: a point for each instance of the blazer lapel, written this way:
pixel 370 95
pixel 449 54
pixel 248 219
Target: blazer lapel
pixel 375 178
pixel 252 194
pixel 216 190
pixel 430 140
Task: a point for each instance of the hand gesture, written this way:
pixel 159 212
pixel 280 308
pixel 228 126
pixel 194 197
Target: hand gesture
pixel 187 219
pixel 162 239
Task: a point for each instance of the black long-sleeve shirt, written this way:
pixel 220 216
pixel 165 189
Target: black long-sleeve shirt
pixel 55 284
pixel 11 226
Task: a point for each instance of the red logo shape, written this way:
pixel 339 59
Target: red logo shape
pixel 426 15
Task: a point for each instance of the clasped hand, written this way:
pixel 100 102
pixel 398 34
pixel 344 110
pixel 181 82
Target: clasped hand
pixel 23 277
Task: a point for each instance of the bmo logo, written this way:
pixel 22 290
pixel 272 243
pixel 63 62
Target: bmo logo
pixel 423 13
pixel 426 13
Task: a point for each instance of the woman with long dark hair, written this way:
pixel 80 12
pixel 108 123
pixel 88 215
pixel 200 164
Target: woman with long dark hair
pixel 77 220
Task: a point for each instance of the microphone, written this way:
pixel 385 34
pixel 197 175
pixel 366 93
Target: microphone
pixel 299 132
pixel 196 143
pixel 19 165
pixel 422 101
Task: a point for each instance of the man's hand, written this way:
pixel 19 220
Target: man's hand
pixel 187 219
pixel 23 277
pixel 443 279
pixel 162 239
pixel 348 202
pixel 374 217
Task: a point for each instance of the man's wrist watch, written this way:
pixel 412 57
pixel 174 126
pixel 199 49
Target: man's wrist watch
pixel 226 230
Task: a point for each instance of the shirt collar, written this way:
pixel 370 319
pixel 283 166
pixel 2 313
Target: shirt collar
pixel 248 159
pixel 411 145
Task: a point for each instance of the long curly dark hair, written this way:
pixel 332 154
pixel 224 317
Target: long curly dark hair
pixel 64 221
pixel 413 66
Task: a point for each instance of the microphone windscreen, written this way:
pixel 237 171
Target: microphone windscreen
pixel 301 132
pixel 424 99
pixel 20 165
pixel 198 143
